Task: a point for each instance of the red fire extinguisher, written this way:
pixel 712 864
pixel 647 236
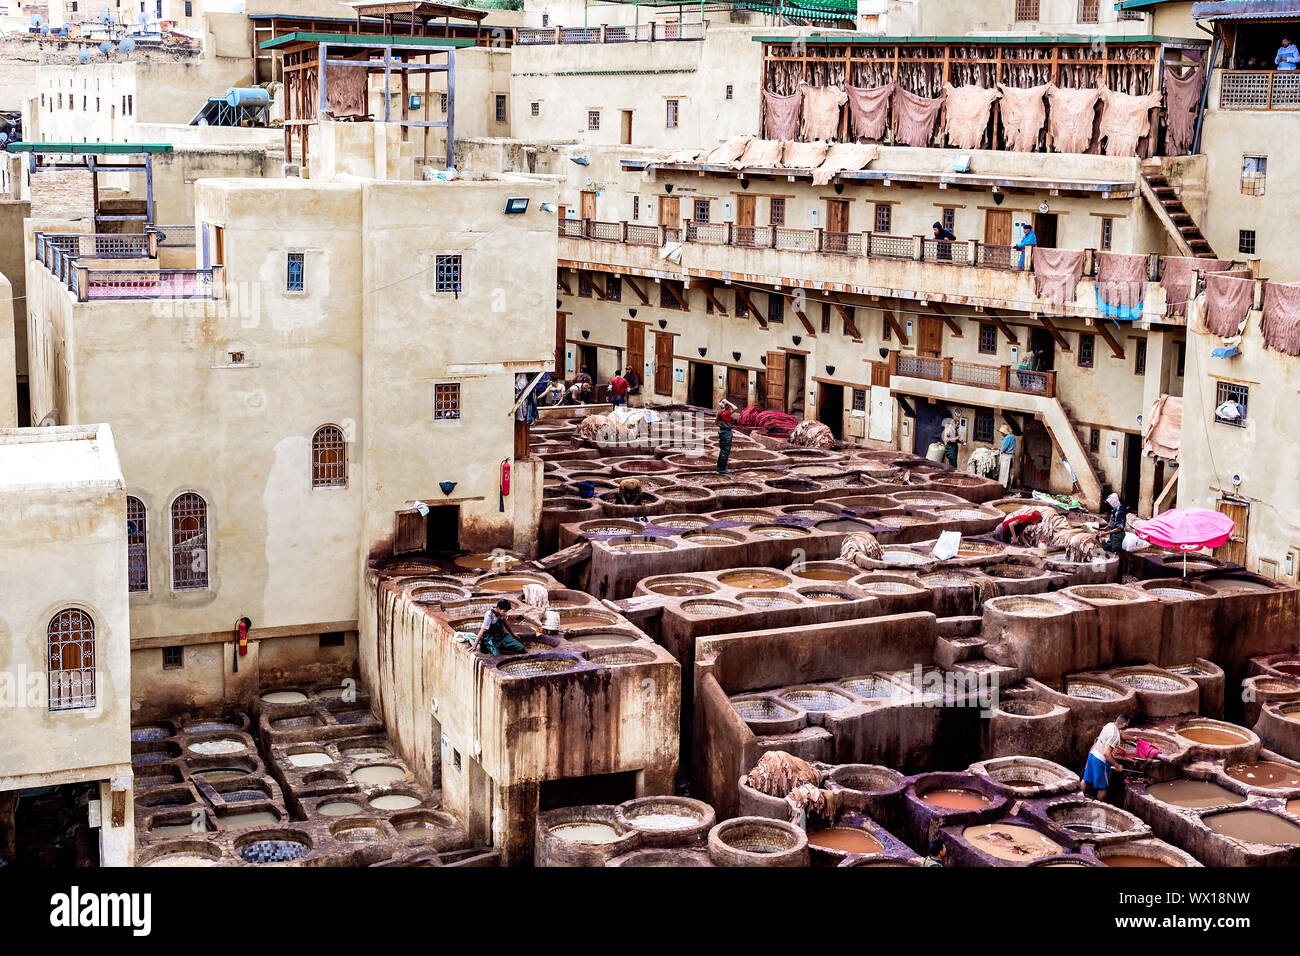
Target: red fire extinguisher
pixel 505 481
pixel 241 633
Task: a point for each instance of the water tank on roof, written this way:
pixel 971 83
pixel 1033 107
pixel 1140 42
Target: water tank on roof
pixel 248 96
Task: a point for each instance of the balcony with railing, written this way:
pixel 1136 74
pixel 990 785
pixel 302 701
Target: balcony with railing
pixel 609 33
pixel 1259 90
pixel 99 266
pixel 1001 378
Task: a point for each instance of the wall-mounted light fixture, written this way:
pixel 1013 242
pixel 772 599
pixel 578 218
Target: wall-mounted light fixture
pixel 663 323
pixel 884 352
pixel 586 333
pixel 632 313
pixel 702 351
pixel 839 188
pixel 668 187
pixel 830 369
pixel 736 356
pixel 796 339
pixel 447 487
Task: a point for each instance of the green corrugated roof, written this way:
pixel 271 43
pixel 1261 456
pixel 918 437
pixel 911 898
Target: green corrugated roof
pixel 89 149
pixel 805 9
pixel 363 39
pixel 1135 4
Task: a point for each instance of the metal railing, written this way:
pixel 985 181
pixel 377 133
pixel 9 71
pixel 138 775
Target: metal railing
pixel 1259 90
pixel 95 245
pixel 1002 378
pixel 609 33
pixel 66 256
pixel 172 236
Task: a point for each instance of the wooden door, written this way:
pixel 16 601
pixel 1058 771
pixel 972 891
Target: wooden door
pixel 837 215
pixel 663 364
pixel 626 137
pixel 745 220
pixel 670 212
pixel 775 395
pixel 560 336
pixel 588 204
pixel 738 386
pixel 929 336
pixel 997 227
pixel 636 349
pixel 1235 549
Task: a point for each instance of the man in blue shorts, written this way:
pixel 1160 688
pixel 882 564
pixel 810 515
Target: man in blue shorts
pixel 1101 758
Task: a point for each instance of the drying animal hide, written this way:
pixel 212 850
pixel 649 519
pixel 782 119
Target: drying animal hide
pixel 1281 322
pixel 345 91
pixel 983 462
pixel 1125 119
pixel 804 155
pixel 681 156
pixel 1178 279
pixel 537 597
pixel 967 114
pixel 730 151
pixel 821 111
pixel 840 157
pixel 1164 426
pixel 806 798
pixel 1121 279
pixel 860 544
pixel 812 434
pixel 914 117
pixel 761 152
pixel 1183 88
pixel 598 428
pixel 869 111
pixel 781 115
pixel 1023 114
pixel 1227 303
pixel 1057 273
pixel 778 774
pixel 1072 115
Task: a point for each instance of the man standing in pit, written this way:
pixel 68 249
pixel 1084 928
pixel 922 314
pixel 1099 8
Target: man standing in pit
pixel 726 412
pixel 1101 758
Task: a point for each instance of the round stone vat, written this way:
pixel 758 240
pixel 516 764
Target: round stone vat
pixel 218 746
pixel 767 715
pixel 1010 842
pixel 1219 738
pixel 753 578
pixel 681 522
pixel 1023 776
pixel 828 595
pixel 830 571
pixel 418 826
pixel 875 687
pixel 510 583
pixel 711 608
pixel 339 808
pixel 358 830
pixel 666 821
pixel 609 526
pixel 581 617
pixel 180 853
pixel 1094 688
pixel 713 537
pixel 778 531
pixel 308 756
pixel 639 544
pixel 677 586
pixel 1255 826
pixel 1143 853
pixel 1159 693
pixel 758 841
pixel 379 774
pixel 1264 775
pixel 273 846
pixel 1095 821
pixel 581 836
pixel 767 600
pixel 620 656
pixel 816 698
pixel 538 665
pixel 662 857
pixel 603 639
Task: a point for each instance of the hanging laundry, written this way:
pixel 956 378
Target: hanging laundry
pixel 1228 301
pixel 1121 284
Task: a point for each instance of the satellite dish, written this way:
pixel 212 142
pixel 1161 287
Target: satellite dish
pixel 126 45
pixel 45 31
pixel 83 56
pixel 38 20
pixel 106 48
pixel 50 420
pixel 105 16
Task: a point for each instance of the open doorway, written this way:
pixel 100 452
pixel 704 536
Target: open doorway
pixel 437 531
pixel 928 425
pixel 796 368
pixel 587 356
pixel 1046 349
pixel 830 408
pixel 1045 229
pixel 1132 470
pixel 700 386
pixel 1036 457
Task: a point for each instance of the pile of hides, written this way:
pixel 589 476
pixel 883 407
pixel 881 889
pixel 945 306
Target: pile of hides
pixel 681 156
pixel 914 117
pixel 803 155
pixel 821 111
pixel 812 434
pixel 345 90
pixel 1023 115
pixel 599 428
pixel 536 597
pixel 840 157
pixel 778 774
pixel 761 152
pixel 1281 322
pixel 1164 425
pixel 1183 87
pixel 756 416
pixel 1121 284
pixel 1057 273
pixel 967 114
pixel 1228 301
pixel 983 462
pixel 1055 531
pixel 1125 119
pixel 1178 279
pixel 781 115
pixel 860 544
pixel 807 798
pixel 869 111
pixel 1072 115
pixel 726 153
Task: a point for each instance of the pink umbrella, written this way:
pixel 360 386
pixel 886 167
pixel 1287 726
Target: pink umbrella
pixel 1187 529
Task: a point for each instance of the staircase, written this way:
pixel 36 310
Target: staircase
pixel 1169 209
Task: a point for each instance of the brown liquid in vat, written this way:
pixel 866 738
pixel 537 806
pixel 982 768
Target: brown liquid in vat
pixel 680 590
pixel 582 620
pixel 826 574
pixel 1265 773
pixel 1193 794
pixel 485 561
pixel 1128 859
pixel 1212 736
pixel 956 799
pixel 1254 826
pixel 848 839
pixel 753 579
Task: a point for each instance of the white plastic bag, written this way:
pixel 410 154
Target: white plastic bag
pixel 1133 543
pixel 947 546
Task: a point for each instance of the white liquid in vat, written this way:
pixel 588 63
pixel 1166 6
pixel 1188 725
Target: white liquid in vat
pixel 313 758
pixel 380 773
pixel 394 801
pixel 586 832
pixel 284 697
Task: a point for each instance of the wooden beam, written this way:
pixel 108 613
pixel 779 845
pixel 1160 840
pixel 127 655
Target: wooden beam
pixel 681 299
pixel 1002 326
pixel 717 303
pixel 1056 333
pixel 799 313
pixel 847 316
pixel 1169 487
pixel 591 282
pixel 1116 348
pixel 562 282
pixel 631 284
pixel 899 332
pixel 949 321
pixel 749 304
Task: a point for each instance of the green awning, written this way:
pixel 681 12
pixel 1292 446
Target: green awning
pixel 823 10
pixel 90 149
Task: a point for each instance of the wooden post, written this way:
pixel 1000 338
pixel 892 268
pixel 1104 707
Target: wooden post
pixel 1004 377
pixel 947 369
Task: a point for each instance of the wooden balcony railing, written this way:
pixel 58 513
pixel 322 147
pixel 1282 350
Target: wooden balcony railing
pixel 1002 378
pixel 1259 90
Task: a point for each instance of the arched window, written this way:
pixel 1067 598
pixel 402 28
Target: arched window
pixel 137 548
pixel 329 457
pixel 71 639
pixel 189 543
